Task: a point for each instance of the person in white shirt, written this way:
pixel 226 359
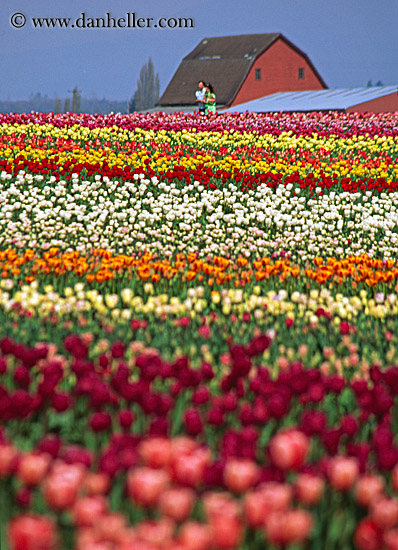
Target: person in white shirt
pixel 201 97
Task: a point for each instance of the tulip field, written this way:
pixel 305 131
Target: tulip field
pixel 199 332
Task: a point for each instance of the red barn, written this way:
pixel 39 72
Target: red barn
pixel 242 68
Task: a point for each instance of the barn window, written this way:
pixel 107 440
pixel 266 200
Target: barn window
pixel 301 73
pixel 257 74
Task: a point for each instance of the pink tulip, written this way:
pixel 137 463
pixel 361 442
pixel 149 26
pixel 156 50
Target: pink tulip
pixel 32 468
pixel 155 452
pixel 31 532
pixel 227 532
pixel 384 512
pixel 182 445
pixel 177 503
pixel 289 449
pixel 158 533
pixel 111 527
pixel 274 528
pixel 298 525
pixel 195 536
pixel 8 454
pixel 289 527
pixel 215 504
pixel 87 538
pixel 309 489
pixel 96 483
pixel 343 472
pixel 88 510
pixel 61 486
pixel 189 469
pixel 367 488
pixel 145 485
pixel 390 539
pixel 240 474
pixel 267 498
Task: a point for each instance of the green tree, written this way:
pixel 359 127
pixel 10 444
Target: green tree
pixel 148 87
pixel 58 106
pixel 75 99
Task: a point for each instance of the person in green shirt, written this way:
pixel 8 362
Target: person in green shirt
pixel 210 105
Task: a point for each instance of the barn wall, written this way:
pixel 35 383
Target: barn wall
pixel 385 104
pixel 279 66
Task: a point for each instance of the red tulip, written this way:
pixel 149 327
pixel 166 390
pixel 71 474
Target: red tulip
pixel 390 539
pixel 267 498
pixel 343 472
pixel 177 503
pixel 96 483
pixel 31 532
pixel 190 469
pixel 298 525
pixel 368 535
pixel 274 529
pixel 32 468
pixel 111 527
pixel 158 533
pixel 288 527
pixel 88 510
pixel 289 449
pixel 23 497
pixel 155 452
pixel 195 536
pixel 8 454
pixel 256 508
pixel 224 504
pixel 368 488
pixel 240 474
pixel 182 445
pixel 384 512
pixel 145 485
pixel 227 532
pixel 61 486
pixel 309 489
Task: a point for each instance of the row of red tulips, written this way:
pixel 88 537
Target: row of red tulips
pixel 338 124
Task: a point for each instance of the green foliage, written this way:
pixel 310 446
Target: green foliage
pixel 148 87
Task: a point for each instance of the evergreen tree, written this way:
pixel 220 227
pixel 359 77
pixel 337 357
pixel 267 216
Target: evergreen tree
pixel 58 106
pixel 75 100
pixel 148 87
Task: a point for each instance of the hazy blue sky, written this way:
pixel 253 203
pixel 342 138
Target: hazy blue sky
pixel 348 41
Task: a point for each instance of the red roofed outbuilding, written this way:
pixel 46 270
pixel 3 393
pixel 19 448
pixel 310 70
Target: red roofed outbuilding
pixel 242 68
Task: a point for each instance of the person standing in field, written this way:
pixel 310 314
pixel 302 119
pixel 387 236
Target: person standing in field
pixel 210 105
pixel 201 97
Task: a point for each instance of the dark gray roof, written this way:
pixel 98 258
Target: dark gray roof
pixel 223 61
pixel 320 100
pixel 232 47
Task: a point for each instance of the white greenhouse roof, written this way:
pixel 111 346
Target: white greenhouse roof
pixel 315 100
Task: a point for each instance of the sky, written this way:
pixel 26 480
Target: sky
pixel 350 42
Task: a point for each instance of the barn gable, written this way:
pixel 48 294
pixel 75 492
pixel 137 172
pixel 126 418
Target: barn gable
pixel 226 62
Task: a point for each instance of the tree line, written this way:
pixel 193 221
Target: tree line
pixel 145 97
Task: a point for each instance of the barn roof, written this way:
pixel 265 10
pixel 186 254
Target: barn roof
pixel 320 100
pixel 224 61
